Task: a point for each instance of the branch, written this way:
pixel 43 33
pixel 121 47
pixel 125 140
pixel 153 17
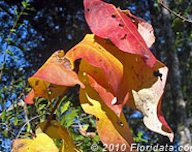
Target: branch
pixel 174 13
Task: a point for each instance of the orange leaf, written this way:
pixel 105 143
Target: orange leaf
pixel 110 70
pixel 105 68
pixel 53 78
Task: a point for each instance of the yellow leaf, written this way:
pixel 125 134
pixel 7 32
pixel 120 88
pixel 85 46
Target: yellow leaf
pixel 55 130
pixel 42 143
pixel 111 128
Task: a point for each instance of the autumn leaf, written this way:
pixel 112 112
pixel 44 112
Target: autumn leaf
pixel 108 22
pixel 136 76
pixel 111 74
pixel 116 69
pixel 53 78
pixel 148 101
pixel 56 131
pixel 109 68
pixel 41 143
pixel 144 28
pixel 102 66
pixel 111 128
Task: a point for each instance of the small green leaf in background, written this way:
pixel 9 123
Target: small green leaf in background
pixel 65 107
pixel 68 119
pixel 9 52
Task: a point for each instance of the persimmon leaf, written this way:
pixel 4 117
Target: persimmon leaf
pixel 41 143
pixel 136 76
pixel 108 22
pixel 55 130
pixel 108 97
pixel 147 100
pixel 144 28
pixel 96 55
pixel 53 78
pixel 111 128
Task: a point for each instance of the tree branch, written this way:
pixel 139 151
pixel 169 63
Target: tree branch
pixel 174 13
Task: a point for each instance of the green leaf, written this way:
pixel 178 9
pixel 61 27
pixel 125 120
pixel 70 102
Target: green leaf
pixel 3 114
pixel 96 138
pixel 5 133
pixel 140 134
pixel 65 107
pixel 9 52
pixel 86 126
pixel 12 30
pixel 68 119
pixel 24 4
pixel 16 12
pixel 41 107
pixel 15 122
pixel 28 128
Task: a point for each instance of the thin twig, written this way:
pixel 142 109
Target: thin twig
pixel 52 113
pixel 26 124
pixel 8 39
pixel 174 13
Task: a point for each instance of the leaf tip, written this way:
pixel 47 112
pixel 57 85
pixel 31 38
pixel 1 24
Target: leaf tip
pixel 29 98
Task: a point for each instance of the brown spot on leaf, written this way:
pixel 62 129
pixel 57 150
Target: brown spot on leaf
pixel 67 63
pixel 121 25
pixel 113 16
pixel 124 37
pixel 19 146
pixel 36 82
pixel 158 74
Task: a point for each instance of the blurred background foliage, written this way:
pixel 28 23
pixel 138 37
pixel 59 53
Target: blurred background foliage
pixel 31 30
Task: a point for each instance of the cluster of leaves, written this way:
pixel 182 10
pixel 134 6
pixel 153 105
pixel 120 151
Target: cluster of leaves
pixel 116 69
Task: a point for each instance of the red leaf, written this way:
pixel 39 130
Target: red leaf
pixel 144 28
pixel 108 22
